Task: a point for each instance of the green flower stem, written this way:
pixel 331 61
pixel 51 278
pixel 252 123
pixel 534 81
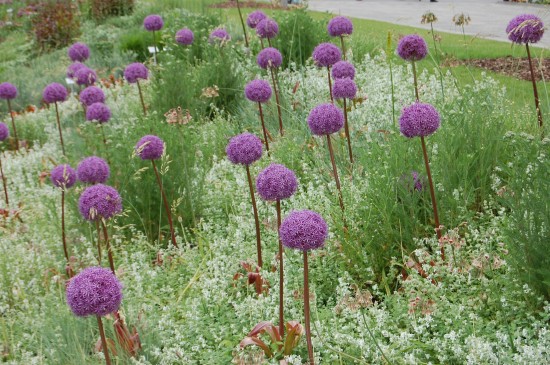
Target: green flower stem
pixel 281 273
pixel 103 341
pixel 306 312
pixel 13 125
pixel 346 129
pixel 4 184
pixel 415 81
pixel 330 85
pixel 263 127
pixel 59 127
pixel 242 23
pixel 256 219
pixel 276 90
pixel 535 91
pixel 335 172
pixel 141 98
pixel 166 206
pixel 108 246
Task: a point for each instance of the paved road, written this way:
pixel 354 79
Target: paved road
pixel 489 18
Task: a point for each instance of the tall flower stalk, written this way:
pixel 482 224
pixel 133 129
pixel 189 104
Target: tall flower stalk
pixel 8 92
pixel 260 92
pixel 133 73
pixel 430 18
pixel 270 59
pixel 326 55
pixel 340 27
pixel 4 134
pixel 345 88
pixel 253 19
pixel 413 48
pixel 153 23
pixel 242 23
pixel 56 93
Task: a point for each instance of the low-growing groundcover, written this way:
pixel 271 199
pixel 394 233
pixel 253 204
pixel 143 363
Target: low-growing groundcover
pixel 369 302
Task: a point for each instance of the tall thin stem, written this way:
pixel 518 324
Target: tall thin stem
pixel 438 60
pixel 108 246
pixel 281 273
pixel 276 90
pixel 103 341
pixel 4 183
pixel 330 85
pixel 59 127
pixel 306 312
pixel 13 125
pixel 256 219
pixel 154 47
pixel 65 250
pixel 242 23
pixel 269 41
pixel 263 127
pixel 335 172
pixel 343 47
pixel 166 206
pixel 98 242
pixel 262 43
pixel 141 98
pixel 346 129
pixel 415 81
pixel 535 91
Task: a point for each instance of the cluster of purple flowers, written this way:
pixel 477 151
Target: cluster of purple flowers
pixel 99 202
pixel 269 58
pixel 63 176
pixel 54 93
pixel 276 182
pixel 418 120
pixel 267 28
pixel 185 37
pixel 258 91
pixel 525 28
pixel 303 230
pixel 153 23
pixel 92 95
pixel 244 149
pixel 150 148
pixel 254 18
pixel 8 91
pixel 326 55
pixel 93 170
pixel 343 69
pixel 78 52
pixel 344 88
pixel 325 119
pixel 98 112
pixel 339 26
pixel 4 132
pixel 219 36
pixel 412 47
pixel 135 71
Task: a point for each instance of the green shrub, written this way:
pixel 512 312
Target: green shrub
pixel 56 24
pixel 137 42
pixel 101 9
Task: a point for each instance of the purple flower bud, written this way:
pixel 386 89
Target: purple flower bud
pixel 339 26
pixel 4 132
pixel 219 36
pixel 99 202
pixel 258 91
pixel 185 37
pixel 412 47
pixel 135 71
pixel 269 57
pixel 326 54
pixel 413 181
pixel 325 119
pixel 85 76
pixel 93 170
pixel 418 120
pixel 54 92
pixel 244 149
pixel 92 95
pixel 153 23
pixel 63 176
pixel 344 88
pixel 98 112
pixel 254 18
pixel 8 91
pixel 73 68
pixel 267 28
pixel 95 291
pixel 276 182
pixel 343 69
pixel 78 52
pixel 303 230
pixel 525 28
pixel 150 148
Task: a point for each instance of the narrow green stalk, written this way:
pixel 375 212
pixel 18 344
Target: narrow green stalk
pixel 4 184
pixel 374 338
pixel 242 23
pixel 535 91
pixel 103 341
pixel 13 125
pixel 141 98
pixel 415 81
pixel 256 219
pixel 281 274
pixel 307 312
pixel 166 206
pixel 59 127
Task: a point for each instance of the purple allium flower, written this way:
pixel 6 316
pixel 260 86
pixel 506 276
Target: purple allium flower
pixel 303 230
pixel 8 91
pixel 92 95
pixel 219 36
pixel 93 170
pixel 4 132
pixel 258 91
pixel 343 69
pixel 153 22
pixel 525 28
pixel 185 37
pixel 412 47
pixel 78 52
pixel 276 182
pixel 98 112
pixel 95 291
pixel 344 88
pixel 85 76
pixel 73 68
pixel 413 181
pixel 254 18
pixel 99 202
pixel 63 176
pixel 326 54
pixel 339 26
pixel 267 28
pixel 325 119
pixel 418 120
pixel 54 92
pixel 135 71
pixel 244 149
pixel 269 57
pixel 150 148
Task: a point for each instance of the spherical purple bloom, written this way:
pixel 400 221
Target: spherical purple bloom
pixel 267 28
pixel 254 18
pixel 343 69
pixel 85 76
pixel 63 176
pixel 258 91
pixel 92 95
pixel 95 291
pixel 269 57
pixel 150 148
pixel 7 91
pixel 54 92
pixel 185 37
pixel 326 54
pixel 418 120
pixel 99 202
pixel 219 36
pixel 276 182
pixel 4 132
pixel 303 230
pixel 73 68
pixel 339 26
pixel 78 52
pixel 135 71
pixel 344 88
pixel 412 47
pixel 325 119
pixel 525 28
pixel 93 170
pixel 98 112
pixel 153 22
pixel 244 149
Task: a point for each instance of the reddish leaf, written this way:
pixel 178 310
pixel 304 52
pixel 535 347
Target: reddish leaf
pixel 254 341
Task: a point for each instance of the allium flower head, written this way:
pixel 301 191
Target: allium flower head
pixel 153 23
pixel 269 57
pixel 95 291
pixel 344 88
pixel 4 132
pixel 267 28
pixel 78 52
pixel 98 112
pixel 135 71
pixel 93 170
pixel 99 202
pixel 63 176
pixel 244 149
pixel 185 37
pixel 8 91
pixel 412 47
pixel 54 92
pixel 343 69
pixel 219 36
pixel 73 68
pixel 525 28
pixel 276 182
pixel 339 26
pixel 254 18
pixel 258 91
pixel 326 54
pixel 303 230
pixel 325 119
pixel 150 148
pixel 413 181
pixel 418 120
pixel 85 76
pixel 92 95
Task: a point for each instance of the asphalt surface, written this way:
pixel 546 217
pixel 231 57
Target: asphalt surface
pixel 489 18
